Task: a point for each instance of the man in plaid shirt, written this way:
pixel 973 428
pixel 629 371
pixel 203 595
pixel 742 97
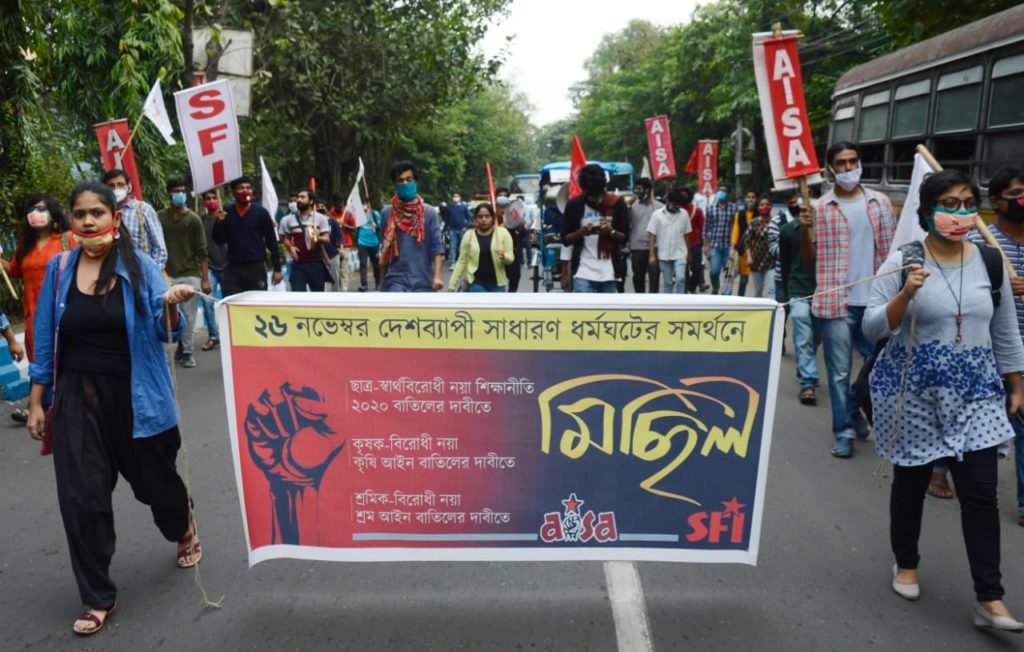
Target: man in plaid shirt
pixel 854 227
pixel 717 234
pixel 138 217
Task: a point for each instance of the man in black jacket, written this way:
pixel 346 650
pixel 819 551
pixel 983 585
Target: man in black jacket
pixel 248 231
pixel 595 226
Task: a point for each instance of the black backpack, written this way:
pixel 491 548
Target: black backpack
pixel 913 252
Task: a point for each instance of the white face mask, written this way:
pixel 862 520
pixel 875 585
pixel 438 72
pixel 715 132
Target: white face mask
pixel 293 207
pixel 120 194
pixel 848 180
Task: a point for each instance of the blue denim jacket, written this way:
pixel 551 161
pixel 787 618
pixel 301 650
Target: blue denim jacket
pixel 153 402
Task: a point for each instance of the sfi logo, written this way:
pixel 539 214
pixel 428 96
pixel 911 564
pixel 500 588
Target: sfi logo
pixel 711 526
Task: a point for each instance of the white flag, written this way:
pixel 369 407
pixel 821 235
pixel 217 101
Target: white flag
pixel 355 203
pixel 155 110
pixel 909 229
pixel 269 194
pixel 646 173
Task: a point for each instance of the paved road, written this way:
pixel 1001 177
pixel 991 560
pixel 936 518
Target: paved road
pixel 822 582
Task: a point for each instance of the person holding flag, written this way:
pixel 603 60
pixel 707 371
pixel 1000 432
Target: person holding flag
pixel 302 236
pixel 413 250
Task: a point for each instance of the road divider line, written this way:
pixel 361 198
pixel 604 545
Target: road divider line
pixel 626 593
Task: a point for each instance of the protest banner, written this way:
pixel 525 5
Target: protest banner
pixel 116 151
pixel 579 159
pixel 784 110
pixel 209 127
pixel 396 427
pixel 659 142
pixel 707 167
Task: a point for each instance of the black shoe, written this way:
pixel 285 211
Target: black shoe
pixel 20 415
pixel 362 289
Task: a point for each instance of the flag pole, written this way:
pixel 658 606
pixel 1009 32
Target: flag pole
pixel 978 222
pixel 131 136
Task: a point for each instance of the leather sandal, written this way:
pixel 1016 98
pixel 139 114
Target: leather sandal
pixel 90 616
pixel 939 487
pixel 211 344
pixel 192 548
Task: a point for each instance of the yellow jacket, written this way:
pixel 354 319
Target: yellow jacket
pixel 469 256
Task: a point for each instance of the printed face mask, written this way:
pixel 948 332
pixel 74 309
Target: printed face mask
pixel 243 196
pixel 951 225
pixel 95 245
pixel 848 180
pixel 39 219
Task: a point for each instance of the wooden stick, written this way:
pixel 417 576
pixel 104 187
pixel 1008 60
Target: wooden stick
pixel 7 280
pixel 978 223
pixel 131 136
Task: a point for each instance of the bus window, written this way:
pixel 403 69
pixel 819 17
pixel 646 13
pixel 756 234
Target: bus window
pixel 872 161
pixel 957 101
pixel 842 126
pixel 1000 150
pixel 911 112
pixel 903 160
pixel 1007 82
pixel 874 116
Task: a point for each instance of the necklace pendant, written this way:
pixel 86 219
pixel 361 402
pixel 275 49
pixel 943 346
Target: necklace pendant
pixel 959 319
pixel 959 338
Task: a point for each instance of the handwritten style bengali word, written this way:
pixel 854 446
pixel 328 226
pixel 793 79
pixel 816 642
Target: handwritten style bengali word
pixel 633 328
pixel 718 329
pixel 494 461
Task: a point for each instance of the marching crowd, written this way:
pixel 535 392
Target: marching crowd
pixel 940 326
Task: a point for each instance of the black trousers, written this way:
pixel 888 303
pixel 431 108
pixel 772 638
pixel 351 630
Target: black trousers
pixel 308 275
pixel 643 271
pixel 244 277
pixel 695 269
pixel 92 443
pixel 976 482
pixel 371 254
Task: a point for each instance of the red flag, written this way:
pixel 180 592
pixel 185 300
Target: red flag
pixel 781 90
pixel 490 187
pixel 659 141
pixel 312 184
pixel 116 151
pixel 691 165
pixel 579 159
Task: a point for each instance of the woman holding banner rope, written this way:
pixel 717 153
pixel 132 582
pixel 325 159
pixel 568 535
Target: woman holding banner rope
pixel 103 314
pixel 937 387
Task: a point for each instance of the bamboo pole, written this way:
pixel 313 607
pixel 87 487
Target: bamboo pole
pixel 978 223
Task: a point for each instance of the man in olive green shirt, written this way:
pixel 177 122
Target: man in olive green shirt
pixel 187 258
pixel 797 264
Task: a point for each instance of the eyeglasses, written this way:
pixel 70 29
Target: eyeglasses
pixel 955 203
pixel 39 207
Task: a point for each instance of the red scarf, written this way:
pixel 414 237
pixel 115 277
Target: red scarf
pixel 407 216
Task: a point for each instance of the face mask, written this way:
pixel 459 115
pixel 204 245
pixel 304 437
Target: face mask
pixel 456 199
pixel 211 205
pixel 722 196
pixel 293 207
pixel 848 180
pixel 302 207
pixel 39 219
pixel 794 210
pixel 120 194
pixel 95 245
pixel 764 210
pixel 641 195
pixel 243 196
pixel 951 225
pixel 406 191
pixel 178 199
pixel 502 201
pixel 1015 209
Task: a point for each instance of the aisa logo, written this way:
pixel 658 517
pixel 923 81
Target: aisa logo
pixel 711 526
pixel 573 525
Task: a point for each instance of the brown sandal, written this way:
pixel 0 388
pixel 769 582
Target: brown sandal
pixel 939 487
pixel 91 616
pixel 211 344
pixel 190 555
pixel 807 396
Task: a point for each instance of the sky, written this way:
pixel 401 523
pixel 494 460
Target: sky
pixel 552 39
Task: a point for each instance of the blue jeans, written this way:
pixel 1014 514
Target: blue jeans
pixel 454 240
pixel 805 326
pixel 308 275
pixel 760 278
pixel 673 273
pixel 209 309
pixel 719 255
pixel 1018 457
pixel 840 336
pixel 587 286
pixel 484 287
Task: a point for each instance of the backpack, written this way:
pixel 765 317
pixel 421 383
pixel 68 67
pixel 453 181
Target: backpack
pixel 913 252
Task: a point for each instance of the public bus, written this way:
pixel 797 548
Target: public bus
pixel 961 94
pixel 619 173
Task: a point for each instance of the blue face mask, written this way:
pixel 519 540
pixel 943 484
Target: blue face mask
pixel 722 196
pixel 178 199
pixel 502 201
pixel 406 191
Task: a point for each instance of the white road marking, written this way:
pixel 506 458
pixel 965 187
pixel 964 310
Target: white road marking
pixel 632 628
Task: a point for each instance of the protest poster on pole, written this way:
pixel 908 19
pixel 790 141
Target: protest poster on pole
pixel 707 167
pixel 398 428
pixel 117 153
pixel 209 127
pixel 659 142
pixel 784 109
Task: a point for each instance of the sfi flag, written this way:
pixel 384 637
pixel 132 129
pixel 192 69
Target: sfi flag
pixel 707 166
pixel 579 159
pixel 659 141
pixel 117 153
pixel 787 131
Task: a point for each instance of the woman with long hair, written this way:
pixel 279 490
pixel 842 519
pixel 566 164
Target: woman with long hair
pixel 484 254
pixel 103 316
pixel 42 234
pixel 944 383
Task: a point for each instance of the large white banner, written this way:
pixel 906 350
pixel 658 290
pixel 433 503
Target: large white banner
pixel 209 127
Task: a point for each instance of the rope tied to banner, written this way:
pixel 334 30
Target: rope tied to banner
pixel 186 476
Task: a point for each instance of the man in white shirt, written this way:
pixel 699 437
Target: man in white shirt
pixel 668 229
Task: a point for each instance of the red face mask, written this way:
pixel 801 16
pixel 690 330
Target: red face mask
pixel 211 205
pixel 243 196
pixel 764 210
pixel 98 243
